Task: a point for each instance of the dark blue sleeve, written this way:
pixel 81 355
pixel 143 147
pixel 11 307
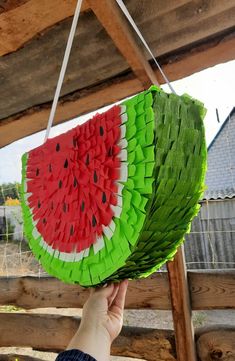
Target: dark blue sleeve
pixel 74 355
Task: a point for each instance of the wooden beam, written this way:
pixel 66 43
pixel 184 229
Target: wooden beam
pixel 208 54
pixel 22 23
pixel 145 343
pixel 14 357
pixel 41 332
pixel 216 343
pixel 181 308
pixel 53 333
pixel 209 290
pixel 32 292
pixel 212 289
pixel 176 67
pixel 112 19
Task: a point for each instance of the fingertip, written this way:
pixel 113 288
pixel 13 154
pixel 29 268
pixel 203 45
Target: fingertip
pixel 106 290
pixel 125 283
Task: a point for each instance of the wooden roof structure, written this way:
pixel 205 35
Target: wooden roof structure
pixel 107 61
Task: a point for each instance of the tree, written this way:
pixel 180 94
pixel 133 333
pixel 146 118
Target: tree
pixel 9 190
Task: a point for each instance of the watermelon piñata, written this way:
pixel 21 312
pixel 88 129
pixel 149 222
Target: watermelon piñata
pixel 114 197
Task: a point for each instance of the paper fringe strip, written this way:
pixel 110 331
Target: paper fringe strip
pixel 157 180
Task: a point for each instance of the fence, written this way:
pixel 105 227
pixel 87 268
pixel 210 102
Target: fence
pixel 210 244
pixel 208 290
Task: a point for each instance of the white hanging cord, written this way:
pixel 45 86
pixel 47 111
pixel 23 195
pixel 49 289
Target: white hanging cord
pixel 130 19
pixel 63 68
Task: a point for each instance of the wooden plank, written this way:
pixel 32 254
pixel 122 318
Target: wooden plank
pixel 209 290
pixel 216 343
pixel 208 54
pixel 110 16
pixel 38 74
pixel 152 9
pixel 189 24
pixel 181 308
pixel 53 333
pixel 9 5
pixel 22 23
pixel 217 51
pixel 32 292
pixel 19 13
pixel 212 289
pixel 34 120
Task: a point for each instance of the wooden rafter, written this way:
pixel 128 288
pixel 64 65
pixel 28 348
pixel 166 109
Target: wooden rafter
pixel 109 14
pixel 187 63
pixel 22 23
pixel 31 17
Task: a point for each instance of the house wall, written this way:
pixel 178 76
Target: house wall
pixel 13 216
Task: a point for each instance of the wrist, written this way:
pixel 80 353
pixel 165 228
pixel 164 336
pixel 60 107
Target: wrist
pixel 93 340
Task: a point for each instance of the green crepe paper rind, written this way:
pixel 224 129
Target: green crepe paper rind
pixel 159 199
pixel 178 186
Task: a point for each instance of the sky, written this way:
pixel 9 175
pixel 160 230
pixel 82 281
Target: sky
pixel 215 87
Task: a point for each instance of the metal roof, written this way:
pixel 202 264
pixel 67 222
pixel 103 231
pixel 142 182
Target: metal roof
pixel 219 194
pixel 221 128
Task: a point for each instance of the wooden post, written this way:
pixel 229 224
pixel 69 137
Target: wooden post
pixel 181 309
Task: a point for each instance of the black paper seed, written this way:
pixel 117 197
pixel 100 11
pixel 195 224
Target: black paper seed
pixel 83 206
pixel 64 207
pixel 110 152
pixel 95 177
pixel 75 182
pixel 44 221
pixel 37 172
pixel 87 159
pixel 50 168
pixel 71 230
pixel 60 183
pixel 39 204
pixel 52 205
pixel 57 147
pixel 101 131
pixel 66 163
pixel 94 221
pixel 104 198
pixel 75 142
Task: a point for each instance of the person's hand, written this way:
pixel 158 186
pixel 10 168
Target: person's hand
pixel 104 309
pixel 101 321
